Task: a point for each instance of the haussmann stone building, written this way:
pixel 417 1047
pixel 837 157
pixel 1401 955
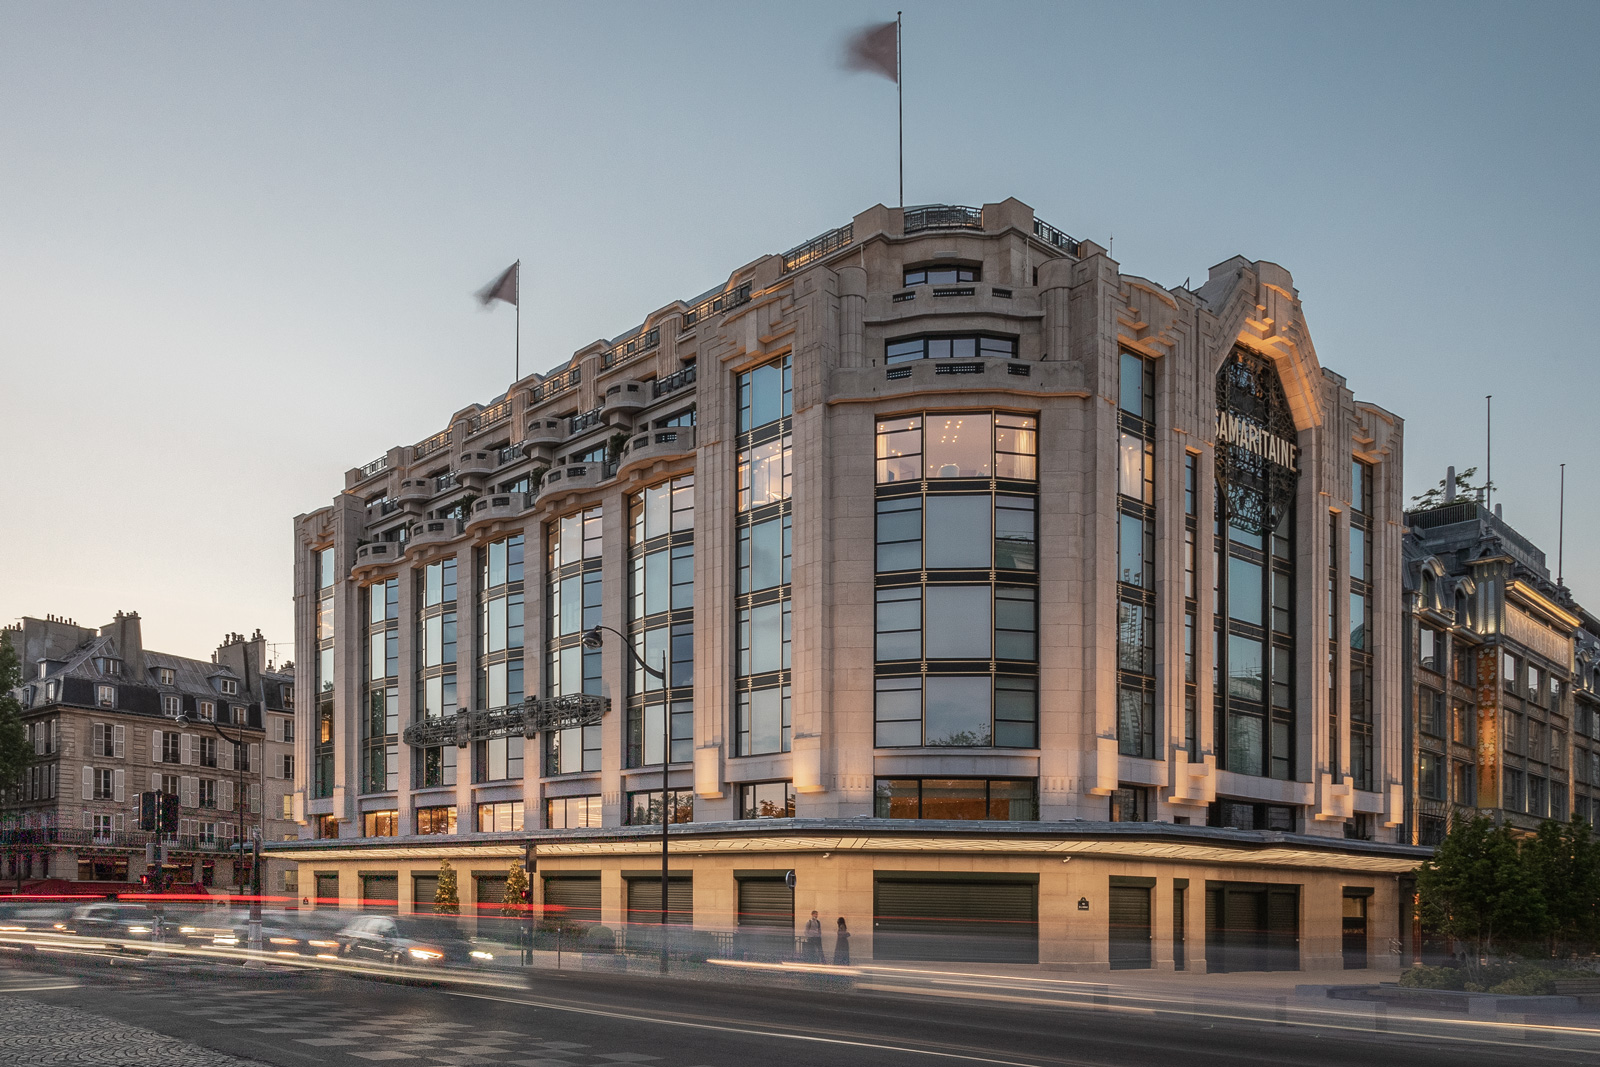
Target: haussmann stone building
pixel 1025 609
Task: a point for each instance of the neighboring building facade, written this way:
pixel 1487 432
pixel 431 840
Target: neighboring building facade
pixel 103 715
pixel 1503 685
pixel 945 532
pixel 273 689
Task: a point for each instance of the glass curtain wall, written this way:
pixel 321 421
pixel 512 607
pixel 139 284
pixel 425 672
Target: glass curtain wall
pixel 436 668
pixel 661 620
pixel 1361 709
pixel 500 673
pixel 1253 592
pixel 1136 571
pixel 573 588
pixel 957 647
pixel 380 756
pixel 322 742
pixel 762 531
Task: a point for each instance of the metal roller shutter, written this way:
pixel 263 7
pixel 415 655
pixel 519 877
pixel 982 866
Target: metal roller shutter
pixel 491 890
pixel 766 919
pixel 380 892
pixel 572 899
pixel 327 890
pixel 1130 927
pixel 644 901
pixel 978 921
pixel 1252 927
pixel 424 888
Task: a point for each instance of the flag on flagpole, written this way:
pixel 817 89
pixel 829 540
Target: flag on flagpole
pixel 875 49
pixel 502 288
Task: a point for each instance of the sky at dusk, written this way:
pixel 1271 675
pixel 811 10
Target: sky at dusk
pixel 238 242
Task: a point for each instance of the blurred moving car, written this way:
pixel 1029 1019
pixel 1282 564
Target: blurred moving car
pixel 33 916
pixel 288 933
pixel 118 923
pixel 410 940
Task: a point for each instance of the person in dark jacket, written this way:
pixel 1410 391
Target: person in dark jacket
pixel 841 946
pixel 814 939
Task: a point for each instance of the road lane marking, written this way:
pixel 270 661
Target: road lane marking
pixel 750 1032
pixel 37 988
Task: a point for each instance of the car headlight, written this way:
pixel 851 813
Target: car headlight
pixel 221 940
pixel 284 940
pixel 323 944
pixel 477 955
pixel 185 929
pixel 425 954
pixel 138 929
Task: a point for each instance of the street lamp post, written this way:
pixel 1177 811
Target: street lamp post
pixel 239 802
pixel 595 639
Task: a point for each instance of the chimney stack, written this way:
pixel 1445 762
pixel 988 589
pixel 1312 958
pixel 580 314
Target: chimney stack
pixel 1449 485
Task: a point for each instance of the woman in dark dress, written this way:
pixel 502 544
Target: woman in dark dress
pixel 841 947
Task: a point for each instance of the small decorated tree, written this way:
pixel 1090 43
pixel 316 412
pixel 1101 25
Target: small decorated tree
pixel 446 899
pixel 516 890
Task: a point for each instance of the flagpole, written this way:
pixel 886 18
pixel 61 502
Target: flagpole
pixel 518 377
pixel 900 92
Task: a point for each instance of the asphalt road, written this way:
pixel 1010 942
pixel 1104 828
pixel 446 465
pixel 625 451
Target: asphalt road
pixel 85 1011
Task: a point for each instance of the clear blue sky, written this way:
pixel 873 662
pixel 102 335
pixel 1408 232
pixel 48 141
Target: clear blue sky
pixel 238 241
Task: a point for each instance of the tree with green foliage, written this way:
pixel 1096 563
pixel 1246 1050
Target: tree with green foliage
pixel 1563 862
pixel 446 898
pixel 1435 497
pixel 516 890
pixel 1477 888
pixel 15 755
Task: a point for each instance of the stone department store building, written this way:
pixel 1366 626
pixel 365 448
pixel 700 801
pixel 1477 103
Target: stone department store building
pixel 995 589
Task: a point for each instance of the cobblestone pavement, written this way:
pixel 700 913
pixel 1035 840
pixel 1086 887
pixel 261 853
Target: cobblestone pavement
pixel 33 1034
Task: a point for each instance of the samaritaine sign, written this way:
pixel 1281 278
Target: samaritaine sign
pixel 1257 459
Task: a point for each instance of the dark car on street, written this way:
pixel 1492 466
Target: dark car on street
pixel 410 941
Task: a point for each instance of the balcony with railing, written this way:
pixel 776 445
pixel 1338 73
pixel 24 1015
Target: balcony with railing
pixel 1052 236
pixel 377 466
pixel 430 445
pixel 624 398
pixel 542 438
pixel 476 464
pixel 819 247
pixel 576 424
pixel 575 477
pixel 443 483
pixel 555 384
pixel 716 304
pixel 634 346
pixel 489 416
pixel 672 442
pixel 494 508
pixel 942 217
pixel 415 491
pixel 674 381
pixel 434 531
pixel 72 837
pixel 377 554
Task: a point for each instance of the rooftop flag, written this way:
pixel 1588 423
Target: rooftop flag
pixel 876 50
pixel 502 288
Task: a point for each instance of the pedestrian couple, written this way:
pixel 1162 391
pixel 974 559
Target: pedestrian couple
pixel 841 944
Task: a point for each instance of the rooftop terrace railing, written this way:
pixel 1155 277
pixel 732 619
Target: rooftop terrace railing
pixel 377 466
pixel 818 248
pixel 559 383
pixel 942 217
pixel 1052 236
pixel 634 346
pixel 713 305
pixel 489 416
pixel 431 444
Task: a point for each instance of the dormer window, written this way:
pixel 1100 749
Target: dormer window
pixel 165 676
pixel 207 711
pixel 171 705
pixel 229 687
pixel 44 668
pixel 238 715
pixel 940 274
pixel 288 696
pixel 50 691
pixel 107 665
pixel 105 696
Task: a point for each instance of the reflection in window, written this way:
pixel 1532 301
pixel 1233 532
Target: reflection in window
pixel 949 347
pixel 1001 799
pixel 766 800
pixel 958 445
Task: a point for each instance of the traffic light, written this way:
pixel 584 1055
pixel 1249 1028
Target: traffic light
pixel 149 811
pixel 169 813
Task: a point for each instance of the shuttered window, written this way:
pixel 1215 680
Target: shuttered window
pixel 1129 910
pixel 491 889
pixel 572 899
pixel 380 892
pixel 1252 927
pixel 424 887
pixel 766 903
pixel 644 901
pixel 955 920
pixel 327 889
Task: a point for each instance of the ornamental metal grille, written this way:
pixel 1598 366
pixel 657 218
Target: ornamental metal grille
pixel 526 718
pixel 1256 491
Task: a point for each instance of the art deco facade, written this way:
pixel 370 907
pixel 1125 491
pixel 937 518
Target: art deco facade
pixel 943 530
pixel 109 720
